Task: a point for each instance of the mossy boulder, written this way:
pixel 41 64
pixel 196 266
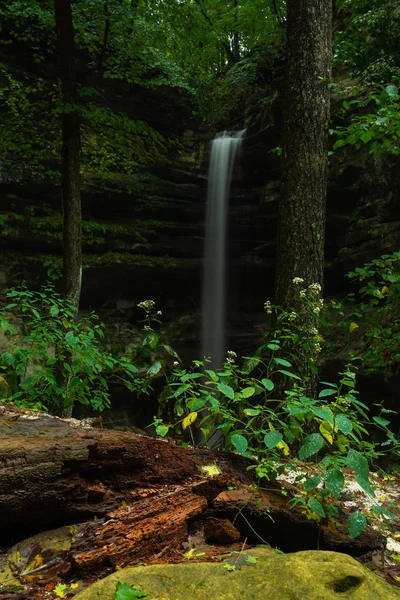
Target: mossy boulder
pixel 299 576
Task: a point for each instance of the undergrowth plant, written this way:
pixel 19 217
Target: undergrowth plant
pixel 369 317
pixel 261 407
pixel 45 339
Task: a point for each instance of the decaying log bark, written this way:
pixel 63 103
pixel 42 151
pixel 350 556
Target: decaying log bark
pixel 53 473
pixel 152 499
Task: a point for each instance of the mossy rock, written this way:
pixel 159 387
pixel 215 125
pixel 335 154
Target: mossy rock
pixel 37 559
pixel 305 575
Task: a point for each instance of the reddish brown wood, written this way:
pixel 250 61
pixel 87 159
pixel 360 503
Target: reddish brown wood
pixel 52 473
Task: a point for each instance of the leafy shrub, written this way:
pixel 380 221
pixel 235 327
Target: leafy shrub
pixel 54 360
pixel 261 407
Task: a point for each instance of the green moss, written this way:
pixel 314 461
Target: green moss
pixel 303 575
pixel 142 260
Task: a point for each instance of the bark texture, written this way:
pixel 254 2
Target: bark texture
pixel 300 251
pixel 53 472
pixel 71 150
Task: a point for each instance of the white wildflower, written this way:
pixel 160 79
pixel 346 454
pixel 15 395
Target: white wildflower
pixel 292 316
pixel 317 348
pixel 298 280
pixel 176 364
pixel 147 305
pixel 231 355
pixel 316 310
pixel 303 293
pixel 268 307
pixel 313 331
pixel 159 312
pixel 314 289
pixel 147 328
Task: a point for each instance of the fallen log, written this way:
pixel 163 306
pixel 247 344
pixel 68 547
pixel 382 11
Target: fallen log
pixel 53 472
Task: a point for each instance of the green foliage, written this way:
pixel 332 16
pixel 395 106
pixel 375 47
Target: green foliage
pixel 379 129
pixel 46 341
pixel 369 321
pixel 367 38
pixel 261 407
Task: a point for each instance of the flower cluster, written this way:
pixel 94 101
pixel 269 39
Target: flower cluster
pixel 318 306
pixel 231 356
pixel 315 289
pixel 298 280
pixel 268 307
pixel 147 305
pixel 292 316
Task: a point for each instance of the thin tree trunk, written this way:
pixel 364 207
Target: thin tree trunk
pixel 301 232
pixel 71 192
pixel 71 150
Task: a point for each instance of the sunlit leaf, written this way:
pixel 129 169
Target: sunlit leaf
pixel 187 421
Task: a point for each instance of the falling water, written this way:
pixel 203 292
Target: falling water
pixel 224 150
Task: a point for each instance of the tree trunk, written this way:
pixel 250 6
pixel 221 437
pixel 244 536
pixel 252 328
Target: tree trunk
pixel 301 230
pixel 71 186
pixel 71 149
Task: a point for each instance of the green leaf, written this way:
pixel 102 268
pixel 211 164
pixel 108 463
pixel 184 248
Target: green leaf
pixel 272 439
pixel 195 404
pixel 247 392
pixel 251 412
pixel 288 374
pixel 273 346
pixel 250 364
pixel 239 442
pixel 381 421
pixel 365 485
pixel 151 339
pixel 189 376
pixel 212 375
pixel 71 339
pixel 123 591
pixel 268 384
pixel 334 481
pixel 356 524
pixel 282 361
pixel 226 390
pixel 312 483
pixel 323 413
pixel 162 430
pixel 28 382
pixel 154 369
pixel 54 310
pixel 344 424
pixel 252 560
pixel 316 507
pixel 311 445
pixel 324 393
pixel 170 351
pixel 357 461
pixel 392 91
pixel 8 358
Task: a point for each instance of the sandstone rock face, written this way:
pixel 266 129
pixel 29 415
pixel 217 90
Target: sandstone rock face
pixel 306 575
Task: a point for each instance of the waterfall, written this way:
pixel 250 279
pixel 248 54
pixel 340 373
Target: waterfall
pixel 224 150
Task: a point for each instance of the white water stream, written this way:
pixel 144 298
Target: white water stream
pixel 225 147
